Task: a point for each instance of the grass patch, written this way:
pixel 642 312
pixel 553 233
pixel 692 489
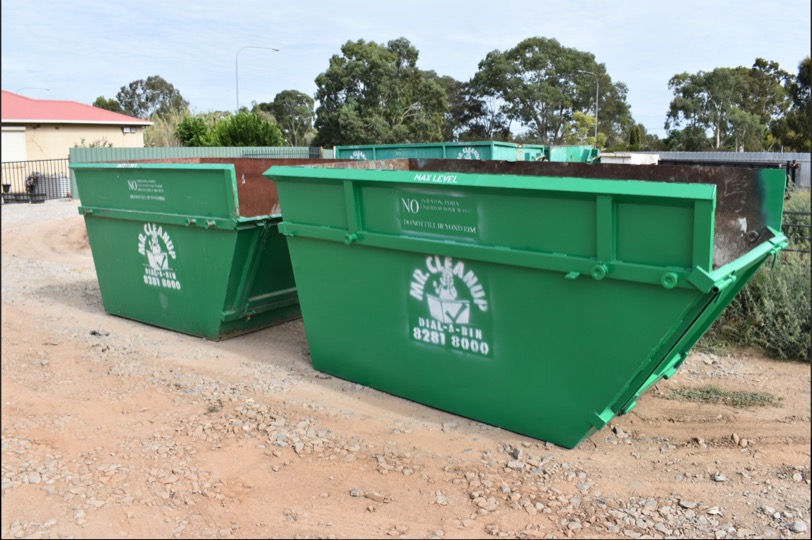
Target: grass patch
pixel 711 394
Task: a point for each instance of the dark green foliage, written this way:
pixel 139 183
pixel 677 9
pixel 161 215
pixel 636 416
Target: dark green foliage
pixel 192 131
pixel 761 108
pixel 293 111
pixel 373 94
pixel 541 85
pixel 107 104
pixel 153 96
pixel 245 129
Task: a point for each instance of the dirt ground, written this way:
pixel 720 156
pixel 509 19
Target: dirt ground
pixel 116 429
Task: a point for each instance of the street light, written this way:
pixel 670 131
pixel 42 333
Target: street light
pixel 596 103
pixel 237 68
pixel 31 88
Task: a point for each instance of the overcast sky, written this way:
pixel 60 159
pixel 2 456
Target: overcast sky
pixel 82 49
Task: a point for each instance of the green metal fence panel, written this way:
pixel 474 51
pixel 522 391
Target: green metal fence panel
pixel 562 291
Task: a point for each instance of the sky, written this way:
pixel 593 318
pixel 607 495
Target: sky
pixel 83 49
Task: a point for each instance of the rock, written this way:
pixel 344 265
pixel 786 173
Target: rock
pixel 376 497
pixel 516 465
pixel 719 477
pixel 798 526
pixel 619 432
pixel 687 504
pixel 356 493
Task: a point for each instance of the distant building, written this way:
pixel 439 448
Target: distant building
pixel 38 129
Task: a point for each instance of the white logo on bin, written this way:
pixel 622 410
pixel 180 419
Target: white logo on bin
pixel 156 245
pixel 468 152
pixel 454 300
pixel 359 155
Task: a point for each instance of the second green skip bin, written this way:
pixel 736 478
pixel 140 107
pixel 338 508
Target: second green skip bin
pixel 188 248
pixel 543 298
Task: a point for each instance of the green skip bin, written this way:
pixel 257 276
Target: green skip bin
pixel 543 298
pixel 192 247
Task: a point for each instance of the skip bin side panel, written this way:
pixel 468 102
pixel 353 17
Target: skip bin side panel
pixel 509 349
pixel 196 190
pixel 160 274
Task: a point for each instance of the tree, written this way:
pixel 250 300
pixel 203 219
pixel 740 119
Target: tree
pixel 293 112
pixel 107 104
pixel 471 116
pixel 154 96
pixel 245 129
pixel 792 131
pixel 541 84
pixel 371 94
pixel 742 108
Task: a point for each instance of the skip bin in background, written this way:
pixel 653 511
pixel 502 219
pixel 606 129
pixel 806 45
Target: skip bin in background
pixel 192 247
pixel 573 154
pixel 489 150
pixel 543 298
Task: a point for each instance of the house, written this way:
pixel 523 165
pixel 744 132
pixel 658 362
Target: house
pixel 44 129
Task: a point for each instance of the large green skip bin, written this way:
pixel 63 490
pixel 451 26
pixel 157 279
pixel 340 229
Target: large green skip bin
pixel 543 298
pixel 192 247
pixel 487 150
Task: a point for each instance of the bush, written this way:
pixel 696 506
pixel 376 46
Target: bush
pixel 772 312
pixel 246 129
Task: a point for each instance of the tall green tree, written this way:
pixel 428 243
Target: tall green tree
pixel 107 104
pixel 792 131
pixel 739 108
pixel 471 116
pixel 376 94
pixel 294 113
pixel 541 85
pixel 153 96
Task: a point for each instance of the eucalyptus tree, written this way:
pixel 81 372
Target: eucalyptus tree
pixel 541 84
pixel 373 94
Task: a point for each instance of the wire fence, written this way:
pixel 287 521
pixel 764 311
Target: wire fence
pixel 36 181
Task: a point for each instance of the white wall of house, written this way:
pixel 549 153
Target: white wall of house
pixel 54 141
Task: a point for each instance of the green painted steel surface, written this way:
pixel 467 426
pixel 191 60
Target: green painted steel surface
pixel 176 153
pixel 533 152
pixel 573 154
pixel 172 250
pixel 541 304
pixel 491 150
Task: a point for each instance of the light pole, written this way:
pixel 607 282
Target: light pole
pixel 596 103
pixel 31 88
pixel 237 68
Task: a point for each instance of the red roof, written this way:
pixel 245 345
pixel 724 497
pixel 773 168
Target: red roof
pixel 20 109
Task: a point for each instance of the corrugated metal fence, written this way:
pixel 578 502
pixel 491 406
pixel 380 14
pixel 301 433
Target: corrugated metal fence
pixel 801 173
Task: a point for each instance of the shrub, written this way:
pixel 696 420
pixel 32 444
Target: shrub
pixel 246 129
